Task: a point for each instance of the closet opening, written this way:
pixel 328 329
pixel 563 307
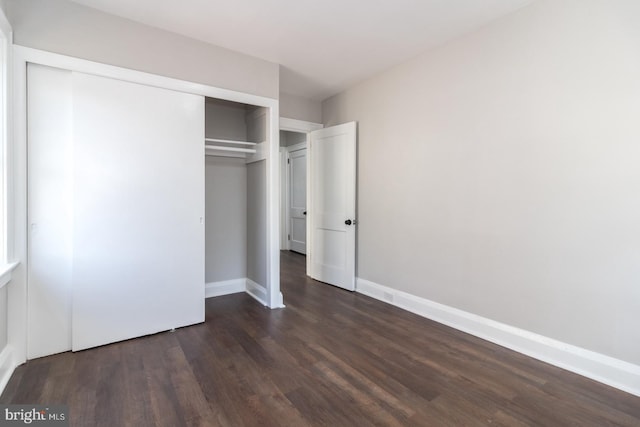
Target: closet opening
pixel 236 227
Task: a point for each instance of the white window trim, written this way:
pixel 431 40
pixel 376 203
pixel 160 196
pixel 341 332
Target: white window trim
pixel 7 359
pixel 6 40
pixel 5 273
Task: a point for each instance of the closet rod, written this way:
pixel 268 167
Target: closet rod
pixel 234 149
pixel 228 141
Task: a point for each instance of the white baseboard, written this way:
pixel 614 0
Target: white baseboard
pixel 278 301
pixel 7 366
pixel 226 287
pixel 599 367
pixel 258 292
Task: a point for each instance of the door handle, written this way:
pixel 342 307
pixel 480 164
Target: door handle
pixel 348 222
pixel 304 213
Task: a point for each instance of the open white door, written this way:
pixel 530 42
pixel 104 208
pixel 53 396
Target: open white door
pixel 298 200
pixel 332 205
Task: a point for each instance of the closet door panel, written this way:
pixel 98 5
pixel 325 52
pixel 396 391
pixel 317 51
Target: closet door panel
pixel 138 264
pixel 50 215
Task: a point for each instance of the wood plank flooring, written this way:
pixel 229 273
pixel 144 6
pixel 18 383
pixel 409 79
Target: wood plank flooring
pixel 331 358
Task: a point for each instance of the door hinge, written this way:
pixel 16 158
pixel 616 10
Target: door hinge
pixel 288 160
pixel 288 236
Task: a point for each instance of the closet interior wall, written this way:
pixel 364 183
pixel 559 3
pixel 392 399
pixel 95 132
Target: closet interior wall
pixel 288 138
pixel 235 196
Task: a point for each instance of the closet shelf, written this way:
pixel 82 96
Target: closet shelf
pixel 251 151
pixel 227 141
pixel 234 149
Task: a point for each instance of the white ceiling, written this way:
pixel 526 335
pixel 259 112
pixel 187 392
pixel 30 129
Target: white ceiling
pixel 324 46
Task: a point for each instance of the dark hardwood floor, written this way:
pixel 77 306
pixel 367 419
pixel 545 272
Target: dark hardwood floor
pixel 330 358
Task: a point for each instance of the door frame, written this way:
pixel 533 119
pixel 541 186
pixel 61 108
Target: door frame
pixel 17 152
pixel 300 126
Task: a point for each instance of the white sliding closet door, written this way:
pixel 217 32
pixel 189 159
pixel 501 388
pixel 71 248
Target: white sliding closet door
pixel 138 245
pixel 50 217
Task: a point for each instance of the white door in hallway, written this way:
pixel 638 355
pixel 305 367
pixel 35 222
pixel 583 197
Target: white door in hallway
pixel 332 205
pixel 298 200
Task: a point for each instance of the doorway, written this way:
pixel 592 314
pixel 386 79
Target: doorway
pixel 293 147
pixel 293 183
pixel 318 198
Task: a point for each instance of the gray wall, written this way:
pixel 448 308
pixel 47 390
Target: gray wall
pixel 257 127
pixel 257 124
pixel 225 120
pixel 288 138
pixel 226 224
pixel 257 222
pixel 297 107
pixel 499 173
pixel 68 28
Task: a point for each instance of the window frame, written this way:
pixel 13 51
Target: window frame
pixel 6 42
